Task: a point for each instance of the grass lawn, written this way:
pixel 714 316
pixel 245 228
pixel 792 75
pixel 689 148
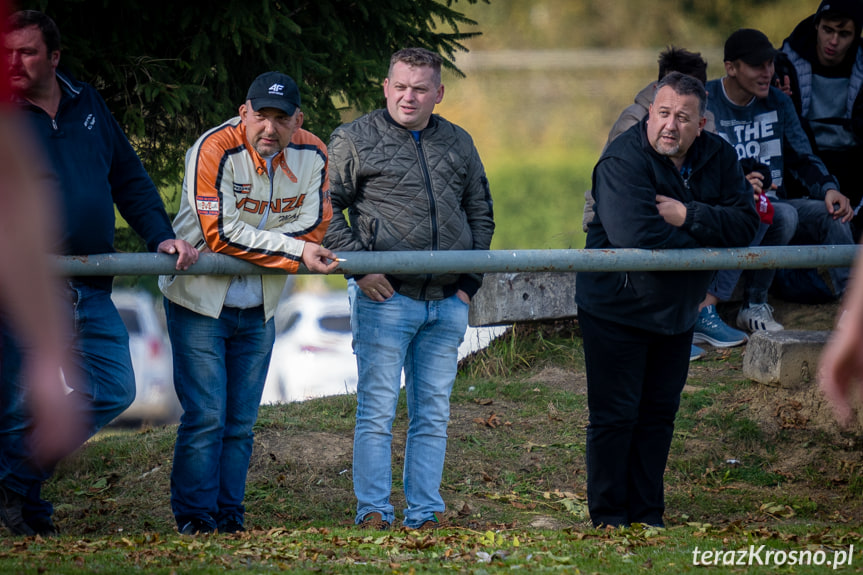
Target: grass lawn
pixel 750 467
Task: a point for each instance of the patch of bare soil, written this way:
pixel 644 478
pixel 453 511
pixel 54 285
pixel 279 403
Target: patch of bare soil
pixel 561 378
pixel 798 433
pixel 804 408
pixel 318 449
pixel 311 470
pixel 495 449
pixel 815 317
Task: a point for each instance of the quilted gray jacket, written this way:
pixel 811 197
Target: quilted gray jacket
pixel 409 194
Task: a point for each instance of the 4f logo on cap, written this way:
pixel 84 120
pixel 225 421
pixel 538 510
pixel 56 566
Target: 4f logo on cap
pixel 277 89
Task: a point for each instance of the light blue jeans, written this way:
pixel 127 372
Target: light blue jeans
pixel 423 337
pixel 220 366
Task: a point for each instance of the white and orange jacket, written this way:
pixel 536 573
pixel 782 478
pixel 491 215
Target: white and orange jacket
pixel 225 193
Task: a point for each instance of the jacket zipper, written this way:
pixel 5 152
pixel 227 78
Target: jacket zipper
pixel 432 206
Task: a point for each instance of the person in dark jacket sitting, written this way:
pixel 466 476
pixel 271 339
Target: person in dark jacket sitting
pixel 665 183
pixel 824 78
pixel 410 181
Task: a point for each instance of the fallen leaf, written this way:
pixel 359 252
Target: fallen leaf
pixel 492 421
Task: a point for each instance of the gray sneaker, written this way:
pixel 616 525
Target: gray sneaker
pixel 758 317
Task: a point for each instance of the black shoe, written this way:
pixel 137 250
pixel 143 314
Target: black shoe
pixel 43 526
pixel 196 527
pixel 231 525
pixel 11 512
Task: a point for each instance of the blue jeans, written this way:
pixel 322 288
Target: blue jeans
pixel 220 366
pixel 423 337
pixel 756 283
pixel 101 377
pixel 817 227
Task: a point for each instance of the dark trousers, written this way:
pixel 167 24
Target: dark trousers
pixel 634 381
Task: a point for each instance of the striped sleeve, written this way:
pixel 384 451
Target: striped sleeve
pixel 305 144
pixel 230 192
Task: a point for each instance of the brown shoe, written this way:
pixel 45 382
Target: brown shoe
pixel 374 521
pixel 432 524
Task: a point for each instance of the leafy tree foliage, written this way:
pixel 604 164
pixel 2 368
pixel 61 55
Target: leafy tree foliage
pixel 170 70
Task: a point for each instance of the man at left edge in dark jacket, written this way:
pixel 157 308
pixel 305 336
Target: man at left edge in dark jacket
pixel 94 168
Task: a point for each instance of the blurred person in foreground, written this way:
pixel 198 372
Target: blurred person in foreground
pixel 410 181
pixel 663 184
pixel 29 291
pixel 840 370
pixel 94 168
pixel 255 188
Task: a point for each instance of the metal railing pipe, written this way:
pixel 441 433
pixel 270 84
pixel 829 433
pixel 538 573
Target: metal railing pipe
pixel 483 261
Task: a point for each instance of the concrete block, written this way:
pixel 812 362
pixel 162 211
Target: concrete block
pixel 506 298
pixel 787 359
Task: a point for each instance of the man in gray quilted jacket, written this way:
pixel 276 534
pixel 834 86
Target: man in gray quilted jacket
pixel 410 181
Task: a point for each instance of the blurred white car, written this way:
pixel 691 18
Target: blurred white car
pixel 155 399
pixel 312 355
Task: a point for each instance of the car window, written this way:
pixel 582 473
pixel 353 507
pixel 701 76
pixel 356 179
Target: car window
pixel 338 323
pixel 130 318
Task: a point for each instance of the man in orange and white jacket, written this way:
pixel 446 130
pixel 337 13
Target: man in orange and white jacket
pixel 256 188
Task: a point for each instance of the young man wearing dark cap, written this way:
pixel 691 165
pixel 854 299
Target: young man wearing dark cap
pixel 256 188
pixel 824 81
pixel 761 123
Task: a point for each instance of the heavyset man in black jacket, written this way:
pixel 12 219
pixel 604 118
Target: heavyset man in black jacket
pixel 665 183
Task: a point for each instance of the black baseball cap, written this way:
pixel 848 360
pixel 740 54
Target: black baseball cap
pixel 749 45
pixel 274 90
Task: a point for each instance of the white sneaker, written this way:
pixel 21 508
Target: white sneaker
pixel 758 317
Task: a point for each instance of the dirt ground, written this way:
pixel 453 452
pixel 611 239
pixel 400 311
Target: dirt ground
pixel 801 438
pixel 777 408
pixel 810 440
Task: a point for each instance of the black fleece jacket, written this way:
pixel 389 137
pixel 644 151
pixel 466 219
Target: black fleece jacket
pixel 720 213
